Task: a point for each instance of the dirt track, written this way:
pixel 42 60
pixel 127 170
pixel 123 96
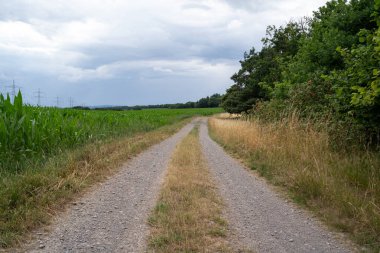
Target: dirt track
pixel 112 218
pixel 259 219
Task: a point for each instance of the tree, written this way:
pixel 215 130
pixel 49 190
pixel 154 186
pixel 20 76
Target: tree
pixel 215 100
pixel 357 85
pixel 236 100
pixel 261 71
pixel 334 25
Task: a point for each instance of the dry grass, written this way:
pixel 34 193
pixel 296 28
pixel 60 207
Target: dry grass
pixel 29 199
pixel 342 188
pixel 226 115
pixel 188 215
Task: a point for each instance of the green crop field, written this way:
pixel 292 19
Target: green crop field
pixel 30 134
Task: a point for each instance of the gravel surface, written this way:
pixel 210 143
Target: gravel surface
pixel 259 219
pixel 112 217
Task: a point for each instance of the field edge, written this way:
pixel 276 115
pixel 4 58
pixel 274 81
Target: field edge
pixel 39 195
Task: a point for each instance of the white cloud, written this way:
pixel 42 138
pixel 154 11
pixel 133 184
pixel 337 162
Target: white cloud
pixel 21 37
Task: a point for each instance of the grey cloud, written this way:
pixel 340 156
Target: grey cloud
pixel 129 52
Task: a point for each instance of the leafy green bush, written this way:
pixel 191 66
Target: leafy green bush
pixel 324 67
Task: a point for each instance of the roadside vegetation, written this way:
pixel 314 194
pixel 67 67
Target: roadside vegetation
pixel 49 155
pixel 309 104
pixel 342 187
pixel 325 67
pixel 188 215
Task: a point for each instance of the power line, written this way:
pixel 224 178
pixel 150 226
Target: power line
pixel 38 96
pixel 57 100
pixel 1 88
pixel 71 102
pixel 13 88
pixel 13 92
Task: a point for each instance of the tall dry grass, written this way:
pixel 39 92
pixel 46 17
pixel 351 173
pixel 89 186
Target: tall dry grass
pixel 343 188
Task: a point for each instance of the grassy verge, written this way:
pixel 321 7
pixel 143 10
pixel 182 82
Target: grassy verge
pixel 188 215
pixel 343 188
pixel 28 199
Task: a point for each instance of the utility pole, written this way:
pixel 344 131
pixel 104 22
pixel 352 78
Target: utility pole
pixel 57 101
pixel 38 96
pixel 13 89
pixel 1 89
pixel 71 102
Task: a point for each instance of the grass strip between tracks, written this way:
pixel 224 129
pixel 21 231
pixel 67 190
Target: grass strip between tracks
pixel 188 214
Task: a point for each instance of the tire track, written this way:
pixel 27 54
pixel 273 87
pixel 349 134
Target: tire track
pixel 112 218
pixel 259 219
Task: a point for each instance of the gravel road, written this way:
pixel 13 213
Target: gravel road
pixel 112 218
pixel 259 219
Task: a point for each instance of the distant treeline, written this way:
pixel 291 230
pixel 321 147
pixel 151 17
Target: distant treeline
pixel 207 102
pixel 326 67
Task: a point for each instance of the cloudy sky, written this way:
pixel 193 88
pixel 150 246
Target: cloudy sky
pixel 124 52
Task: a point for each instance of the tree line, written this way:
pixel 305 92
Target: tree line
pixel 206 102
pixel 324 66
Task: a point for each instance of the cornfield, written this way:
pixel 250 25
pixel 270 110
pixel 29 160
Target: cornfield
pixel 29 134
